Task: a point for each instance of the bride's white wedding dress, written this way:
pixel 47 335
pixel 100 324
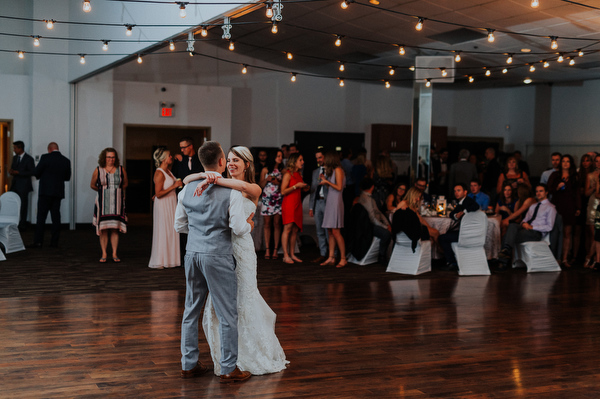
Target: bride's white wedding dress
pixel 259 350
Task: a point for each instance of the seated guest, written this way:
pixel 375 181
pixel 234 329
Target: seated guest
pixel 482 199
pixel 395 197
pixel 404 213
pixel 538 222
pixel 464 205
pixel 505 206
pixel 421 184
pixel 381 227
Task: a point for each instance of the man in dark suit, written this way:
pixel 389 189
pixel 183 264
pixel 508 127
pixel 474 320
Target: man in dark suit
pixel 464 205
pixel 187 162
pixel 21 171
pixel 318 197
pixel 52 171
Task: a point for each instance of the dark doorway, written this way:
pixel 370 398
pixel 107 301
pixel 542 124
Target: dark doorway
pixel 140 143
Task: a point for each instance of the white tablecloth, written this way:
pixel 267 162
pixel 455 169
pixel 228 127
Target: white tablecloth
pixel 493 240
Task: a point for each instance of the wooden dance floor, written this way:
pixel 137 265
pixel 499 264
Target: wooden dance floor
pixel 71 327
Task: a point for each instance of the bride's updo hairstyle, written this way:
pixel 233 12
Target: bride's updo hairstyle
pixel 160 155
pixel 245 155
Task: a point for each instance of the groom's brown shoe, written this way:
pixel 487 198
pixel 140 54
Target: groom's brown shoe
pixel 236 375
pixel 195 372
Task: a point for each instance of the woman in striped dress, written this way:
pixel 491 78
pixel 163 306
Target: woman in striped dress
pixel 110 181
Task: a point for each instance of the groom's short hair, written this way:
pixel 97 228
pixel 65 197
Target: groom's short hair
pixel 210 153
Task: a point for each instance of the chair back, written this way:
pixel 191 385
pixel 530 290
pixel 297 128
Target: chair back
pixel 473 229
pixel 10 207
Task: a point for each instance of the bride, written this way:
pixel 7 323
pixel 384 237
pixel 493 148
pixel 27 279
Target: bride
pixel 259 350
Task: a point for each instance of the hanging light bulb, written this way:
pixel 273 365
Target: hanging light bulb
pixel 244 69
pixel 535 3
pixel 505 70
pixel 231 45
pixel 444 72
pixel 392 71
pixel 560 58
pixel 342 67
pixel 546 64
pixel 553 43
pixel 191 53
pixel 82 59
pixel 36 41
pixel 471 80
pixel 401 51
pixel 419 25
pixel 171 45
pixel 488 72
pixel 387 84
pixel 203 31
pixel 338 41
pixel 571 61
pixel 139 59
pixel 105 45
pixel 21 54
pixel 269 11
pixel 428 83
pixel 580 53
pixel 509 60
pixel 274 27
pixel 87 6
pixel 293 79
pixel 341 82
pixel 129 30
pixel 527 81
pixel 50 23
pixel 491 37
pixel 457 57
pixel 289 56
pixel 532 68
pixel 412 68
pixel 182 12
pixel 344 4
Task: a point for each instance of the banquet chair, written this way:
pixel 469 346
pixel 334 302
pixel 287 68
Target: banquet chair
pixel 370 257
pixel 405 261
pixel 537 256
pixel 469 250
pixel 10 238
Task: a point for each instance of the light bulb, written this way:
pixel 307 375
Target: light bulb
pixel 535 3
pixel 87 7
pixel 50 23
pixel 412 68
pixel 231 45
pixel 269 10
pixel 488 72
pixel 532 68
pixel 21 55
pixel 491 37
pixel 289 56
pixel 580 53
pixel 457 57
pixel 444 73
pixel 82 59
pixel 392 71
pixel 509 60
pixel 560 58
pixel 105 45
pixel 342 67
pixel 419 25
pixel 36 41
pixel 546 64
pixel 402 51
pixel 204 31
pixel 504 70
pixel 139 60
pixel 244 70
pixel 191 53
pixel 338 41
pixel 572 61
pixel 293 79
pixel 274 27
pixel 527 81
pixel 428 83
pixel 129 30
pixel 387 84
pixel 471 80
pixel 554 43
pixel 341 82
pixel 182 12
pixel 171 45
pixel 344 5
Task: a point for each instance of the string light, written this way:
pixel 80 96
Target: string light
pixel 428 83
pixel 392 70
pixel 505 70
pixel 82 59
pixel 231 45
pixel 139 59
pixel 342 67
pixel 419 25
pixel 532 68
pixel 553 43
pixel 182 12
pixel 491 37
pixel 546 64
pixel 457 57
pixel 171 45
pixel 274 27
pixel 245 69
pixel 401 51
pixel 580 53
pixel 344 4
pixel 535 3
pixel 21 54
pixel 341 82
pixel 412 68
pixel 488 72
pixel 471 79
pixel 191 53
pixel 203 31
pixel 129 30
pixel 289 56
pixel 338 41
pixel 50 23
pixel 387 84
pixel 444 72
pixel 571 61
pixel 36 41
pixel 87 6
pixel 293 79
pixel 560 58
pixel 527 81
pixel 269 11
pixel 105 45
pixel 509 60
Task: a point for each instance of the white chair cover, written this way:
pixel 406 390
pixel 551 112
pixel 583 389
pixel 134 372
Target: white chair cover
pixel 371 256
pixel 536 256
pixel 10 206
pixel 469 250
pixel 404 261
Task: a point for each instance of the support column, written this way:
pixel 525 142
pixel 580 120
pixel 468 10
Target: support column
pixel 421 130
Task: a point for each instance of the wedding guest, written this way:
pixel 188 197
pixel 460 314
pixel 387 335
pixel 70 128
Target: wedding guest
pixel 592 183
pixel 381 225
pixel 291 207
pixel 395 197
pixel 359 171
pixel 513 175
pixel 463 171
pixel 110 181
pixel 523 165
pixel 316 206
pixel 586 167
pixel 260 164
pixel 482 199
pixel 490 173
pixel 555 160
pixel 383 178
pixel 333 217
pixel 597 230
pixel 505 206
pixel 165 240
pixel 271 203
pixel 564 187
pixel 412 203
pixel 525 199
pixel 21 171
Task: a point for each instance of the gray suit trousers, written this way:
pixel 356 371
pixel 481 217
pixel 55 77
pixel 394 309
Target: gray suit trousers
pixel 319 213
pixel 215 274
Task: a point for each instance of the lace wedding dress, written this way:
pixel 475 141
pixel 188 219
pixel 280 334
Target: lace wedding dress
pixel 259 350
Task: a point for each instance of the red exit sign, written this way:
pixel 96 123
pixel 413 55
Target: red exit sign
pixel 166 112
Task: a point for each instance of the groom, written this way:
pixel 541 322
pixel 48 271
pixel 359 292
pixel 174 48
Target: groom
pixel 209 220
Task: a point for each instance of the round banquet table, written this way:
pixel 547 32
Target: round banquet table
pixel 493 239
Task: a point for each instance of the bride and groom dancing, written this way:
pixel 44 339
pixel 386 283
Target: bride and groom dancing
pixel 220 259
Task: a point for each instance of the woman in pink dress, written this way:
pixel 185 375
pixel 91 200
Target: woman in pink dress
pixel 165 240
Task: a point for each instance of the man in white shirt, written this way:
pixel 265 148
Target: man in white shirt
pixel 555 158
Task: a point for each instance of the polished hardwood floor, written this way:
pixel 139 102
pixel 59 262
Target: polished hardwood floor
pixel 71 327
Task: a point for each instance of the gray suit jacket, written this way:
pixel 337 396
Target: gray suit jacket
pixel 313 188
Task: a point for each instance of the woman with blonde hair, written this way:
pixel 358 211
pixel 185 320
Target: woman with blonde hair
pixel 333 217
pixel 512 175
pixel 412 201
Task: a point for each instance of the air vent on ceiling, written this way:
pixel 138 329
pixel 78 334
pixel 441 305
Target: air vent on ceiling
pixel 458 36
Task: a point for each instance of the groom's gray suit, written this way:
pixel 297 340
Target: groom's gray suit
pixel 209 220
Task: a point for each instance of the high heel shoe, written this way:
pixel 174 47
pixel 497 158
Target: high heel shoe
pixel 329 262
pixel 343 262
pixel 267 255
